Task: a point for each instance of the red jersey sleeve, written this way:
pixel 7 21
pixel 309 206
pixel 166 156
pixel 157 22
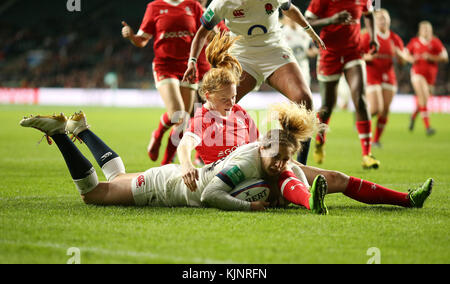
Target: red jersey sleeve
pixel 148 23
pixel 437 46
pixel 410 46
pixel 398 42
pixel 253 132
pixel 196 126
pixel 317 8
pixel 368 7
pixel 198 14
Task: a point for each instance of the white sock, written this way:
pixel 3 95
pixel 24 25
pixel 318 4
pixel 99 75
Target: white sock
pixel 113 168
pixel 88 183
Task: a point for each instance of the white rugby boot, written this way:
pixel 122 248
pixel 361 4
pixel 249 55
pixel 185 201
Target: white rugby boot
pixel 48 124
pixel 77 123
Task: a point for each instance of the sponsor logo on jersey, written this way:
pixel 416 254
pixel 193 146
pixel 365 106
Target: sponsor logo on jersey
pixel 165 11
pixel 188 11
pixel 269 8
pixel 239 13
pixel 179 34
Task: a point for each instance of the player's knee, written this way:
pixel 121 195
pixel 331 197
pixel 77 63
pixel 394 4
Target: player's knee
pixel 96 196
pixel 336 179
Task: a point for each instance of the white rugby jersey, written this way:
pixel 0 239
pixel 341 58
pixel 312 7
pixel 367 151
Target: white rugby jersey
pixel 256 21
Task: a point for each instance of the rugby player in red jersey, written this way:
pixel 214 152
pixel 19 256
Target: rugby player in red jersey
pixel 340 22
pixel 381 79
pixel 172 24
pixel 427 51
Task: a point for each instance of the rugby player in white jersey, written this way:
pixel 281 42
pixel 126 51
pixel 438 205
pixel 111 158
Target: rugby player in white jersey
pixel 261 49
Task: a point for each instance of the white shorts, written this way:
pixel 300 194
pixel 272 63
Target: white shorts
pixel 163 187
pixel 261 62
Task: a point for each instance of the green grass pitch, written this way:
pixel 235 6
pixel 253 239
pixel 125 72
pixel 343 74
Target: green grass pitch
pixel 42 215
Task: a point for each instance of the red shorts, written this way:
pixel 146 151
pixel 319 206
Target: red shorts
pixel 429 74
pixel 331 64
pixel 384 78
pixel 171 72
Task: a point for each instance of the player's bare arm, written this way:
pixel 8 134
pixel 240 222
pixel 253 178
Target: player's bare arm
pixel 369 21
pixel 189 172
pixel 440 58
pixel 341 18
pixel 137 40
pixel 297 16
pixel 197 45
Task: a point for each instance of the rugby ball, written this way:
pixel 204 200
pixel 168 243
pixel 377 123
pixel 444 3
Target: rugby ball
pixel 251 190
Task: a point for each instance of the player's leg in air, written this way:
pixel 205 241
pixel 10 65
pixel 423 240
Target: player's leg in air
pixel 117 190
pixel 368 192
pixel 289 80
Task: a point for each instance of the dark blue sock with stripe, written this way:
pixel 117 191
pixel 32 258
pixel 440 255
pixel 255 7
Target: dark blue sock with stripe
pixel 101 152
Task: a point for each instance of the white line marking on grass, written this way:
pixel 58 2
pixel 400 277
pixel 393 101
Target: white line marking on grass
pixel 175 259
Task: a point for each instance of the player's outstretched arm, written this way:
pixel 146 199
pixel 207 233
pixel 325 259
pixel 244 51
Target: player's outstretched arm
pixel 369 21
pixel 340 18
pixel 296 15
pixel 215 195
pixel 188 171
pixel 136 40
pixel 197 45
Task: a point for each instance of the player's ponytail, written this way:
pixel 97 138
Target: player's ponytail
pixel 297 123
pixel 225 68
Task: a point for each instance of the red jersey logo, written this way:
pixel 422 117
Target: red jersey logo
pixel 140 181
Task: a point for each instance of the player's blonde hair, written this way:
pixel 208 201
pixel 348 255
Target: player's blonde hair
pixel 225 68
pixel 298 124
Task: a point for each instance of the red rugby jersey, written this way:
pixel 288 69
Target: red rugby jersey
pixel 173 26
pixel 218 136
pixel 418 47
pixel 338 38
pixel 384 58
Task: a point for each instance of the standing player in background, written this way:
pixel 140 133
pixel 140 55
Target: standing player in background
pixel 427 51
pixel 301 44
pixel 341 33
pixel 172 24
pixel 260 50
pixel 381 79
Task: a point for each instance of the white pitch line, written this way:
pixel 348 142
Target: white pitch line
pixel 174 259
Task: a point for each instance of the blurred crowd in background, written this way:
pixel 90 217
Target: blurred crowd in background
pixel 51 47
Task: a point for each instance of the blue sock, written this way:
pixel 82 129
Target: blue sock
pixel 79 166
pixel 101 152
pixel 303 155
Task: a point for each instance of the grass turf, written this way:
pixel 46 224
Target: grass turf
pixel 42 215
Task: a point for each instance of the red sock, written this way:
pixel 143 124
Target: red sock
pixel 293 189
pixel 425 116
pixel 164 125
pixel 365 133
pixel 381 123
pixel 371 193
pixel 320 137
pixel 171 148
